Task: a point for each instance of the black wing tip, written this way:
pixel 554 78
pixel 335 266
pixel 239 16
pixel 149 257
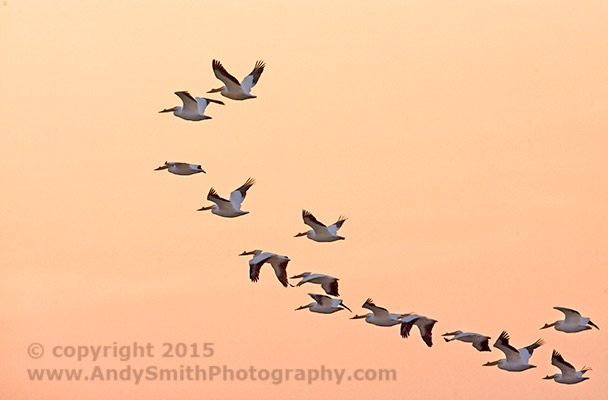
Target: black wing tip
pixel 214 101
pixel 406 327
pixel 212 192
pixel 333 289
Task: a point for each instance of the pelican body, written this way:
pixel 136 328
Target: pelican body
pixel 193 109
pixel 480 342
pixel 569 375
pixel 180 168
pixel 324 304
pixel 229 208
pixel 424 324
pixel 379 316
pixel 328 283
pixel 573 322
pixel 517 360
pixel 320 232
pixel 279 264
pixel 233 89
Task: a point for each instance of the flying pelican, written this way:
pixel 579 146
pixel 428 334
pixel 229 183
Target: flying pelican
pixel 320 232
pixel 573 322
pixel 517 360
pixel 480 342
pixel 180 168
pixel 229 208
pixel 232 88
pixel 193 108
pixel 379 315
pixel 569 374
pixel 328 283
pixel 424 324
pixel 324 304
pixel 279 264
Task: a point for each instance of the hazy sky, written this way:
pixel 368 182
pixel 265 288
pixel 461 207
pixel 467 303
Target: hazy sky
pixel 465 140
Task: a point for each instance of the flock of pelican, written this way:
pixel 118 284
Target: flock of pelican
pixel 516 360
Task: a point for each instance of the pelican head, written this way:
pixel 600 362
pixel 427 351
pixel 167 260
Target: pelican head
pixel 358 316
pixel 216 90
pixel 344 305
pixel 301 234
pixel 165 166
pixel 452 333
pixel 302 275
pixel 549 325
pixel 208 208
pixel 593 325
pixel 550 376
pixel 166 110
pixel 304 307
pixel 491 363
pixel 250 253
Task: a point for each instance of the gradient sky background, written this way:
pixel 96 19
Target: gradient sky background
pixel 466 142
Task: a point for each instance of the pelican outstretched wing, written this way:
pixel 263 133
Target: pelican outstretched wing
pixel 220 72
pixel 238 195
pixel 502 343
pixel 190 103
pixel 250 80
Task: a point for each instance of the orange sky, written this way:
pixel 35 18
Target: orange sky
pixel 466 142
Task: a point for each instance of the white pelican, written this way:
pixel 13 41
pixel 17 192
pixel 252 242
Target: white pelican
pixel 229 208
pixel 424 324
pixel 379 315
pixel 320 232
pixel 517 360
pixel 328 283
pixel 480 342
pixel 569 374
pixel 180 168
pixel 193 109
pixel 324 304
pixel 573 322
pixel 279 264
pixel 232 88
